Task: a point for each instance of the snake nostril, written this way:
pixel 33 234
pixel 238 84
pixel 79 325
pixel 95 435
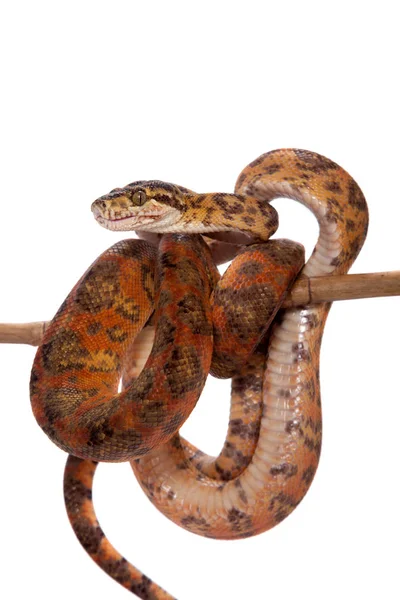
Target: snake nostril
pixel 99 206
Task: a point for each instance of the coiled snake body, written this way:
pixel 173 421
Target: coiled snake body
pixel 274 436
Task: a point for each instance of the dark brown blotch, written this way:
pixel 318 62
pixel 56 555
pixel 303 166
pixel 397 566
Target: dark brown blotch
pixel 94 328
pixel 239 459
pixel 243 384
pixel 250 268
pixel 142 589
pixel 240 521
pixel 191 311
pixel 333 186
pixel 286 469
pixel 117 569
pixel 174 424
pixel 314 162
pixel 148 277
pixel 142 386
pixel 184 371
pixel 99 287
pixel 75 494
pixel 249 221
pixel 197 523
pixel 62 402
pixel 105 361
pixel 246 431
pixel 356 197
pixel 164 336
pixel 153 413
pixel 117 334
pixel 241 493
pixel 63 352
pixel 282 505
pixel 90 536
pixel 129 309
pixel 188 273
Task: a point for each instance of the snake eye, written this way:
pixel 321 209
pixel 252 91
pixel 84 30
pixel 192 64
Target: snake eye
pixel 139 198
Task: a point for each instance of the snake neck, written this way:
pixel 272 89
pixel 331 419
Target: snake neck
pixel 214 212
pixel 326 189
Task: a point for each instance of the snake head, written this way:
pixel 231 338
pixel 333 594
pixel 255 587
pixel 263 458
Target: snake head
pixel 141 205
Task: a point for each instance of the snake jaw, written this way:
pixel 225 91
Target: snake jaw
pixel 120 215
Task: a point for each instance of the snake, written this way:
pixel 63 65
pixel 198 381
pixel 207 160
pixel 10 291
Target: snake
pixel 273 443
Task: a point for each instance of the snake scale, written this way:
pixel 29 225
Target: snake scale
pixel 273 443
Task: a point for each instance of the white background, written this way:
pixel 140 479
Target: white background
pixel 97 94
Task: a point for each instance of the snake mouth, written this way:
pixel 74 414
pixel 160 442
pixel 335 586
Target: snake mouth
pixel 147 219
pixel 127 223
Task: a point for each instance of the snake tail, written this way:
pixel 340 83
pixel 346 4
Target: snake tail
pixel 78 484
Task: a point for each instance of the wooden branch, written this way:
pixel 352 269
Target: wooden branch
pixel 314 290
pixel 306 290
pixel 23 333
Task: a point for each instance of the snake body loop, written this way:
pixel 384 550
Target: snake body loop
pixel 77 368
pixel 274 436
